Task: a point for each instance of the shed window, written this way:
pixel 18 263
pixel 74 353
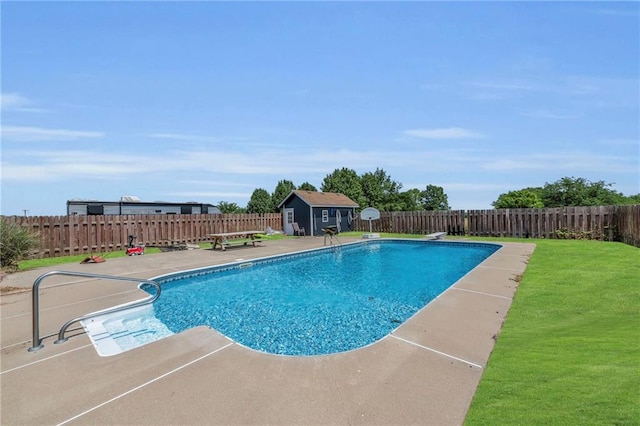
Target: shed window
pixel 95 209
pixel 325 216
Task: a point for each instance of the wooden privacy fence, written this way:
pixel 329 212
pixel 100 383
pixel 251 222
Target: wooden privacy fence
pixel 627 224
pixel 417 222
pixel 76 234
pixel 67 235
pixel 612 223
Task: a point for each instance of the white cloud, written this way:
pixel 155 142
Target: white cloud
pixel 72 164
pixel 17 102
pixel 599 92
pixel 209 182
pixel 443 133
pixel 23 172
pixel 232 141
pixel 77 164
pixel 34 134
pixel 566 162
pixel 196 166
pixel 211 194
pixel 61 170
pixel 12 101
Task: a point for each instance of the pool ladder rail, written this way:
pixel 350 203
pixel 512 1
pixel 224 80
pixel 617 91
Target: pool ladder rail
pixel 35 298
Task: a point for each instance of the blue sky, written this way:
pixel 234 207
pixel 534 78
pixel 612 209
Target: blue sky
pixel 207 101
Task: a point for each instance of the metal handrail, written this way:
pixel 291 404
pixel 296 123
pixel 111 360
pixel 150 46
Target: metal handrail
pixel 35 298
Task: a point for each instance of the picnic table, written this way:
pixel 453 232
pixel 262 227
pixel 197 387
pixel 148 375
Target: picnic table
pixel 222 239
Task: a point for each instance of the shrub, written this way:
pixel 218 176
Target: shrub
pixel 15 244
pixel 566 234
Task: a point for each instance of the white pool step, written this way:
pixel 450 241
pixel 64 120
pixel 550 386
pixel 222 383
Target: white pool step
pixel 116 333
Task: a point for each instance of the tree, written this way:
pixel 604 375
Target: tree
pixel 260 202
pixel 307 187
pixel 226 207
pixel 523 198
pixel 410 201
pixel 632 199
pixel 570 191
pixel 380 191
pixel 283 188
pixel 344 181
pixel 434 198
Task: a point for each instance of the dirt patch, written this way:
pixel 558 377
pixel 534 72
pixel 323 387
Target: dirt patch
pixel 7 289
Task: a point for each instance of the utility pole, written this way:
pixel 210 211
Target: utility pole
pixel 25 212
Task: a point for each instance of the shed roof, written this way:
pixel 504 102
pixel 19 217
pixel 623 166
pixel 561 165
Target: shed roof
pixel 321 199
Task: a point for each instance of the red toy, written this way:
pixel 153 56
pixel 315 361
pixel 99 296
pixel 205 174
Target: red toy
pixel 133 248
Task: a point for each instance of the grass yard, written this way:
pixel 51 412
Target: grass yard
pixel 24 265
pixel 382 235
pixel 569 351
pixel 51 261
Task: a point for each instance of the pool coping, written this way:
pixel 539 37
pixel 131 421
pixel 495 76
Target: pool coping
pixel 426 371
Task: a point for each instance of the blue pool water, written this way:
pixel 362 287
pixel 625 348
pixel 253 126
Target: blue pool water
pixel 318 302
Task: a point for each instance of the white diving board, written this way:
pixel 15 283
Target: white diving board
pixel 436 235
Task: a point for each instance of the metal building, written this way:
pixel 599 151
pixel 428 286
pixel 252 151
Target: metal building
pixel 133 205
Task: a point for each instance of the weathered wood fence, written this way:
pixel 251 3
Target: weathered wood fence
pixel 611 223
pixel 627 224
pixel 67 235
pixel 418 222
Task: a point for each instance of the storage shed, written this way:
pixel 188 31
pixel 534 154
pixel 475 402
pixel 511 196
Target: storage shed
pixel 133 205
pixel 316 210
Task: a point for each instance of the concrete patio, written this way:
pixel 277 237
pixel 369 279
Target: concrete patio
pixel 425 372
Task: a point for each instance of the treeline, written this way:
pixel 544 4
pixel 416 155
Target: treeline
pixel 371 189
pixel 565 192
pixel 377 189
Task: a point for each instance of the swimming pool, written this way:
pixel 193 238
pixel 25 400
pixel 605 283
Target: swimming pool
pixel 310 303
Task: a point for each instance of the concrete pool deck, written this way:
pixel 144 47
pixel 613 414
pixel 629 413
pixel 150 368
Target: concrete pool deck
pixel 425 372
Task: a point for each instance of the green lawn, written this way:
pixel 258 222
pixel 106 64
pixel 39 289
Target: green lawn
pixel 382 235
pixel 24 265
pixel 51 261
pixel 569 351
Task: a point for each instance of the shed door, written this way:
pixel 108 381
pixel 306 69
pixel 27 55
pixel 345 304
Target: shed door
pixel 288 221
